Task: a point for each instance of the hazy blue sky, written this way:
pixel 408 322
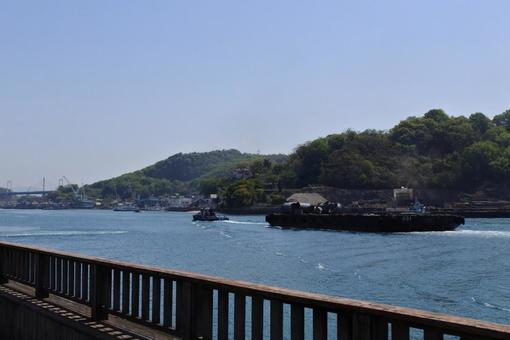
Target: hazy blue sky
pixel 91 89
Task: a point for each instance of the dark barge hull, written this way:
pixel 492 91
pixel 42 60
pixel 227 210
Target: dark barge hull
pixel 367 222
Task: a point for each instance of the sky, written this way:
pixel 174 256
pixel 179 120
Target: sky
pixel 93 89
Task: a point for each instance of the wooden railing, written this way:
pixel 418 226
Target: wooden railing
pixel 195 306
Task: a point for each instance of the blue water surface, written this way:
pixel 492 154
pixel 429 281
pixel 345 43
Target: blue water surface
pixel 464 272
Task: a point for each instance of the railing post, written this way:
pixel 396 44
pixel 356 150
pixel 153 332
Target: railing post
pixel 3 260
pixel 98 293
pixel 344 326
pixel 41 275
pixel 183 309
pixel 202 310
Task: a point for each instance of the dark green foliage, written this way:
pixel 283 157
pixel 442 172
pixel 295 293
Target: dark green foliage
pixel 433 151
pixel 206 173
pixel 503 120
pixel 241 194
pixel 186 167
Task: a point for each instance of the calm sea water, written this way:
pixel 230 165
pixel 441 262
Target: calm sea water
pixel 464 272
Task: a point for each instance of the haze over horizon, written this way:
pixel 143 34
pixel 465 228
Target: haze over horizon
pixel 95 89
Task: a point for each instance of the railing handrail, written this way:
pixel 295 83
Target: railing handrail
pixel 409 316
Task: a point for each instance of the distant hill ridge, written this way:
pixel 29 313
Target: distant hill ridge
pixel 434 151
pixel 190 166
pixel 179 173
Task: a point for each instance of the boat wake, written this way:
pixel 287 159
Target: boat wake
pixel 243 222
pixel 476 233
pixel 490 305
pixel 222 233
pixel 63 233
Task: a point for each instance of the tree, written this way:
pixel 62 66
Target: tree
pixel 479 122
pixel 503 120
pixel 437 115
pixel 241 194
pixel 477 159
pixel 306 161
pixel 209 186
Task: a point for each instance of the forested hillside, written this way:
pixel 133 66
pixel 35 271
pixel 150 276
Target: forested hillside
pixel 180 173
pixel 433 151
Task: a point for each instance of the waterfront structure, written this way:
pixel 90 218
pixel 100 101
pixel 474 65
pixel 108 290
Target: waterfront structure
pixel 179 201
pixel 47 294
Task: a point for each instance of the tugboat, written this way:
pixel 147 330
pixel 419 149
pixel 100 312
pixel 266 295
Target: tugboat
pixel 322 217
pixel 208 214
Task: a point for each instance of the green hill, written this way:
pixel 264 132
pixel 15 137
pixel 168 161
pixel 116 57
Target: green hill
pixel 435 151
pixel 180 173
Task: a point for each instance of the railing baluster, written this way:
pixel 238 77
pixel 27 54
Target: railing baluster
pixel 116 290
pixel 399 331
pixel 3 267
pixel 109 287
pixel 30 275
pixel 344 326
pixel 71 277
pixel 257 317
pixel 297 322
pixel 168 291
pixel 223 315
pixel 276 328
pixel 77 280
pixel 156 299
pixel 320 324
pixel 201 309
pixel 135 299
pixel 10 263
pixel 379 328
pixel 85 282
pixel 145 296
pixel 239 316
pixel 17 265
pixel 52 273
pixel 125 291
pixel 362 327
pixel 98 292
pixel 59 275
pixel 65 276
pixel 41 263
pixel 28 268
pixel 183 309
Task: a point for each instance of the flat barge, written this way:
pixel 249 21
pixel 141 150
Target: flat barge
pixel 379 223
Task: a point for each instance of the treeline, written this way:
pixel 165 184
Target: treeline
pixel 182 173
pixel 433 151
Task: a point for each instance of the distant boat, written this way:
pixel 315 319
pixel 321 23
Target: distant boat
pixel 126 207
pixel 208 214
